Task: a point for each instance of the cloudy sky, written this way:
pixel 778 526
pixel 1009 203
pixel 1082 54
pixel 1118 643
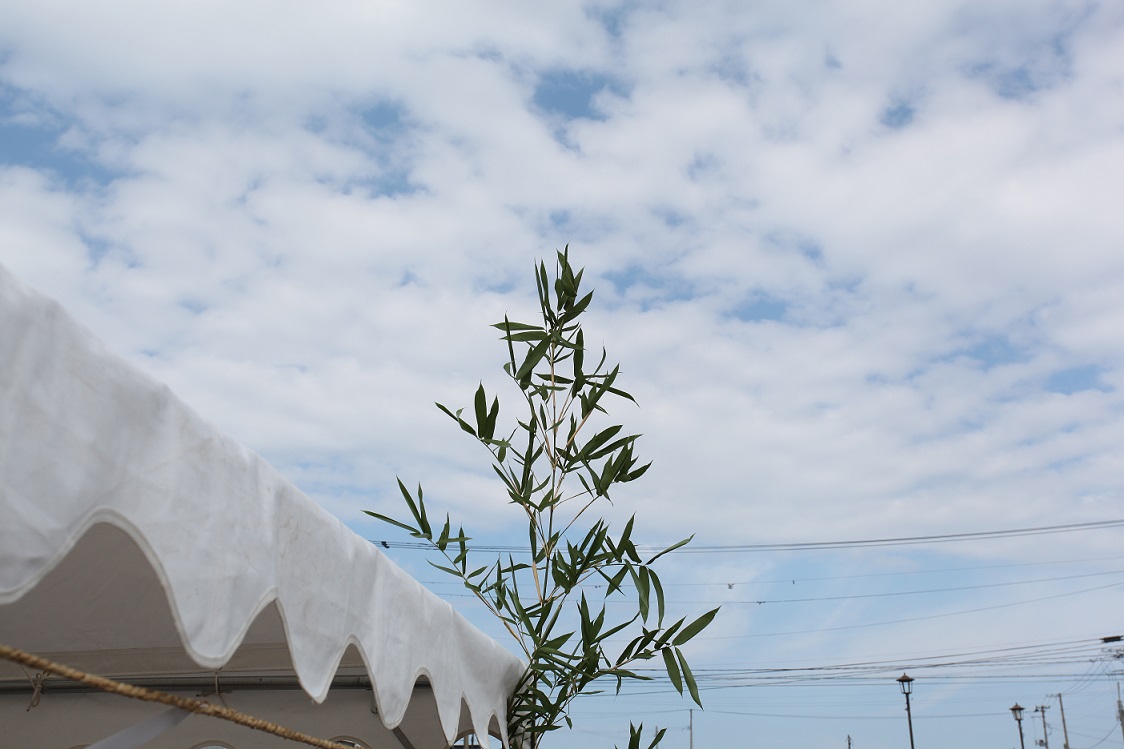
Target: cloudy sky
pixel 862 264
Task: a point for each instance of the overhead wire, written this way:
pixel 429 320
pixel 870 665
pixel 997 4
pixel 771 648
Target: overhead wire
pixel 729 585
pixel 1005 664
pixel 818 545
pixel 856 596
pixel 919 618
pixel 1006 654
pixel 997 666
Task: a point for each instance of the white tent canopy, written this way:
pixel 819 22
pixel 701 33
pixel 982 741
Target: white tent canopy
pixel 138 542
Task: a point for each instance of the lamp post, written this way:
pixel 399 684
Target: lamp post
pixel 906 683
pixel 1017 711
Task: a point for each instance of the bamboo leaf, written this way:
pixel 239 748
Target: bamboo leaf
pixel 612 631
pixel 626 534
pixel 634 735
pixel 480 402
pixel 464 425
pixel 392 521
pixel 672 669
pixel 695 627
pixel 658 587
pixel 597 441
pixel 642 591
pixel 509 326
pixel 493 417
pixel 443 538
pixel 688 677
pixel 577 307
pixel 672 548
pixel 611 448
pixel 529 336
pixel 417 510
pixel 615 581
pixel 448 570
pixel 633 475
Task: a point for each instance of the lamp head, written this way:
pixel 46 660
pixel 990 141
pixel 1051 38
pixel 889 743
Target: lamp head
pixel 1017 711
pixel 906 683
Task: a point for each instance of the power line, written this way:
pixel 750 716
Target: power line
pixel 917 618
pixel 909 540
pixel 816 545
pixel 849 597
pixel 1011 652
pixel 823 578
pixel 915 592
pixel 963 667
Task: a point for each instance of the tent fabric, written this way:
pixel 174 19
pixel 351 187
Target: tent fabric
pixel 88 441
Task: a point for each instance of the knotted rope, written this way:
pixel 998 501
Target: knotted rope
pixel 151 695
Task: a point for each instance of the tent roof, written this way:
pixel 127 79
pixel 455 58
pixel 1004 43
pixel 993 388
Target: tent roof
pixel 137 539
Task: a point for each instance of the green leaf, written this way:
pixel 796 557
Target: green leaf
pixel 534 356
pixel 672 669
pixel 672 548
pixel 668 633
pixel 480 402
pixel 597 441
pixel 610 632
pixel 392 521
pixel 643 590
pixel 417 510
pixel 615 581
pixel 509 326
pixel 443 538
pixel 527 337
pixel 449 570
pixel 579 361
pixel 493 416
pixel 612 447
pixel 457 418
pixel 695 627
pixel 688 677
pixel 634 733
pixel 626 534
pixel 633 475
pixel 578 307
pixel 658 587
pixel 586 625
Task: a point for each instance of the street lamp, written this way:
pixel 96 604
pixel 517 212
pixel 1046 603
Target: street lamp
pixel 1017 711
pixel 906 683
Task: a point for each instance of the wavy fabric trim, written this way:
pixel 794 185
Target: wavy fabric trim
pixel 86 438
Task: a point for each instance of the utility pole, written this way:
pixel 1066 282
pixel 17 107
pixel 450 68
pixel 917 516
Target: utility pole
pixel 691 728
pixel 1119 709
pixel 848 741
pixel 1065 731
pixel 1045 737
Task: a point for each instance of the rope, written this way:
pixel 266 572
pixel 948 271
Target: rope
pixel 151 695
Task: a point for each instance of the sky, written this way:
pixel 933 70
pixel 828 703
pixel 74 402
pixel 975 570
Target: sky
pixel 862 264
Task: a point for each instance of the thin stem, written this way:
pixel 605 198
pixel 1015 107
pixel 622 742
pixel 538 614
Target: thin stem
pixel 554 482
pixel 582 510
pixel 487 604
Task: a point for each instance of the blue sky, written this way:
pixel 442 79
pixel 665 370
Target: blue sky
pixel 861 264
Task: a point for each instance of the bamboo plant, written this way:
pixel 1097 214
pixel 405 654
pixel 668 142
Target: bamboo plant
pixel 557 464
